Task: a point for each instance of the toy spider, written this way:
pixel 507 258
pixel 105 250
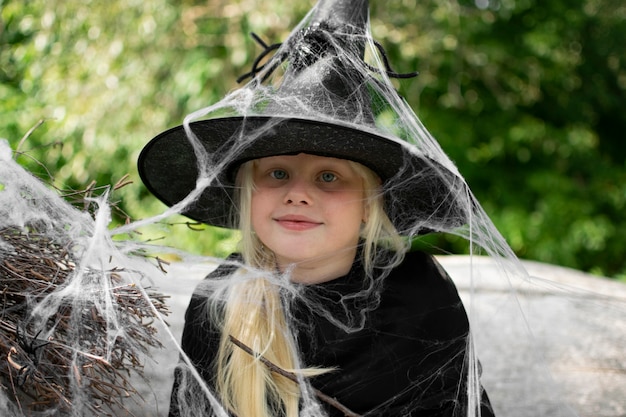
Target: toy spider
pixel 307 47
pixel 33 349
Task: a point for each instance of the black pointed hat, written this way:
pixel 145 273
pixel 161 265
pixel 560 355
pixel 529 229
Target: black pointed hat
pixel 322 106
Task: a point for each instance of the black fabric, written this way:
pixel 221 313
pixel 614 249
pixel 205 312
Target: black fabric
pixel 407 360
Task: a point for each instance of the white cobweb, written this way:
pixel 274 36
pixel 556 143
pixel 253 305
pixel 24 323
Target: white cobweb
pixel 101 266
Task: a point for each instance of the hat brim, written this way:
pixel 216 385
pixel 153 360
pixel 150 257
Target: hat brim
pixel 415 187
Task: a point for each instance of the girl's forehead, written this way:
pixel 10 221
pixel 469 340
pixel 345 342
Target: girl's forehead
pixel 303 158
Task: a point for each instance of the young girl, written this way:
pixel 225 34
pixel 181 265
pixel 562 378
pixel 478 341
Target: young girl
pixel 321 220
pixel 325 311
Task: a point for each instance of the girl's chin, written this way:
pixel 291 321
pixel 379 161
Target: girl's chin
pixel 290 259
pixel 296 251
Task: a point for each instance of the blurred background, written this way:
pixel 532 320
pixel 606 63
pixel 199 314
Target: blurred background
pixel 527 97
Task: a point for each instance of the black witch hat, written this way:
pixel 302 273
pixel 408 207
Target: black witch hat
pixel 321 107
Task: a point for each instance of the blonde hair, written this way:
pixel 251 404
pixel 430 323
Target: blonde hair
pixel 254 313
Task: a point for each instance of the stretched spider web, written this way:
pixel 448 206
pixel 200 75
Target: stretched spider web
pixel 62 318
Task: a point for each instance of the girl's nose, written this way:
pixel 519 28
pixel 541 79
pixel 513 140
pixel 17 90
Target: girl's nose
pixel 298 193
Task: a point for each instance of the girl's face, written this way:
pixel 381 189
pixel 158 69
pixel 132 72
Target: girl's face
pixel 308 210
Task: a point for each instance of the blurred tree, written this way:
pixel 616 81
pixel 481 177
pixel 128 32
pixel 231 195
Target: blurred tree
pixel 106 77
pixel 525 96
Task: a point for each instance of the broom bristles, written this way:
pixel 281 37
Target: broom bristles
pixel 39 373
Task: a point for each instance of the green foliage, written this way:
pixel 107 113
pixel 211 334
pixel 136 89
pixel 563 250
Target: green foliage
pixel 527 102
pixel 525 96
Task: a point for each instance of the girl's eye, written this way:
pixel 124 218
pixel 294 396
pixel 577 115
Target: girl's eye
pixel 278 174
pixel 328 177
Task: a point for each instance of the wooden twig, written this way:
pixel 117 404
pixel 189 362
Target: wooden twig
pixel 27 135
pixel 293 377
pixel 122 182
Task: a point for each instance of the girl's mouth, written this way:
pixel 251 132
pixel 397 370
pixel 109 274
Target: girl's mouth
pixel 296 222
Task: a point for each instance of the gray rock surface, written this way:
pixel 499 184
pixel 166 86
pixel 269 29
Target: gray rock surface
pixel 572 344
pixel 552 344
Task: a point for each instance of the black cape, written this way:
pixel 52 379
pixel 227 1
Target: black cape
pixel 406 357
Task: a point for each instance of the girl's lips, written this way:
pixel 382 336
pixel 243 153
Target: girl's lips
pixel 297 222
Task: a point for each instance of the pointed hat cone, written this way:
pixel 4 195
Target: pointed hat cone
pixel 323 74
